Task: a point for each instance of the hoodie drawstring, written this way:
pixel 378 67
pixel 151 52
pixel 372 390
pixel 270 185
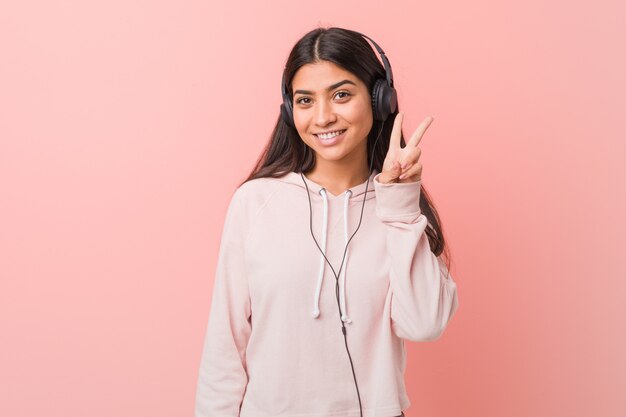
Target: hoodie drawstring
pixel 342 289
pixel 320 278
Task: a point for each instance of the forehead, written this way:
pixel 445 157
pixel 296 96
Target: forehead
pixel 320 75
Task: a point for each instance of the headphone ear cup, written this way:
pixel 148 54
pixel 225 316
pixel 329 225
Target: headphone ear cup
pixel 390 100
pixel 286 109
pixel 286 112
pixel 375 95
pixel 384 99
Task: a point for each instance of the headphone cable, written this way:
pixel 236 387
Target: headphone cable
pixel 343 326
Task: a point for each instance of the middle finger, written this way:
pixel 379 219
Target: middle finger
pixel 411 156
pixel 419 132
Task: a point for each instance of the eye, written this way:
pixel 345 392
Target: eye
pixel 299 101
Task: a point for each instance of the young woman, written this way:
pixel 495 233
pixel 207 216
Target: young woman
pixel 308 317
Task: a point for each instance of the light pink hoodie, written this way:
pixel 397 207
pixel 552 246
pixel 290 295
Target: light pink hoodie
pixel 274 345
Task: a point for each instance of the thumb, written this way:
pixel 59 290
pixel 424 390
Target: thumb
pixel 392 174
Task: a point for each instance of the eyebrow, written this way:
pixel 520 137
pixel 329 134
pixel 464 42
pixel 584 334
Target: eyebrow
pixel 332 87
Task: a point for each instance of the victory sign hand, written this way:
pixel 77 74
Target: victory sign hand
pixel 401 164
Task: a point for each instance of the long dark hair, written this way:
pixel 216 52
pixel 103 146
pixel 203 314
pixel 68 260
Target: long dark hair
pixel 285 150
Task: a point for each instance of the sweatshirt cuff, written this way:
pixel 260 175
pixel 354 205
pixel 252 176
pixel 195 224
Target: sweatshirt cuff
pixel 397 201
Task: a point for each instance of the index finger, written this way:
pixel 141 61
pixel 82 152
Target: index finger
pixel 396 132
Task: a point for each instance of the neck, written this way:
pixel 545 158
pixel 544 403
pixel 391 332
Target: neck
pixel 336 177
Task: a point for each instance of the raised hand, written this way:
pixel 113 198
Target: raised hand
pixel 401 164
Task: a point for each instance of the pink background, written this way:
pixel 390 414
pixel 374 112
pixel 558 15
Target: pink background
pixel 126 125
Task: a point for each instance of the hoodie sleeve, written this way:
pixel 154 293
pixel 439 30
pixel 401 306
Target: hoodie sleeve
pixel 424 296
pixel 223 376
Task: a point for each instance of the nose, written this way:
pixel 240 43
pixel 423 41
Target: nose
pixel 324 113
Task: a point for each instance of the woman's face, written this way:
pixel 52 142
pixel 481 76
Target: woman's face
pixel 328 98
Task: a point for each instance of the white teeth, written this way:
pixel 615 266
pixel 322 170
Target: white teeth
pixel 330 135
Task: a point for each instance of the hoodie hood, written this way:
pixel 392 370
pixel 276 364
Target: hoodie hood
pixel 317 193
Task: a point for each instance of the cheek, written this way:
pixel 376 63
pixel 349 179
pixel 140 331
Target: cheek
pixel 302 129
pixel 301 122
pixel 361 112
pixel 362 124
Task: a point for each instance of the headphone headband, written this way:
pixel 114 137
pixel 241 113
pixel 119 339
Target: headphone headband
pixel 387 65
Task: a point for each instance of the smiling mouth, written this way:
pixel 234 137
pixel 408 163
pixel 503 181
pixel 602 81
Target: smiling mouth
pixel 334 134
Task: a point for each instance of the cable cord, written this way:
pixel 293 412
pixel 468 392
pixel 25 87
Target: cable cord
pixel 343 326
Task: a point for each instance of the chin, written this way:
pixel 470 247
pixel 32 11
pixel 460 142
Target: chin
pixel 332 156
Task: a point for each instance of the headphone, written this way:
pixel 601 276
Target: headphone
pixel 384 103
pixel 384 96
